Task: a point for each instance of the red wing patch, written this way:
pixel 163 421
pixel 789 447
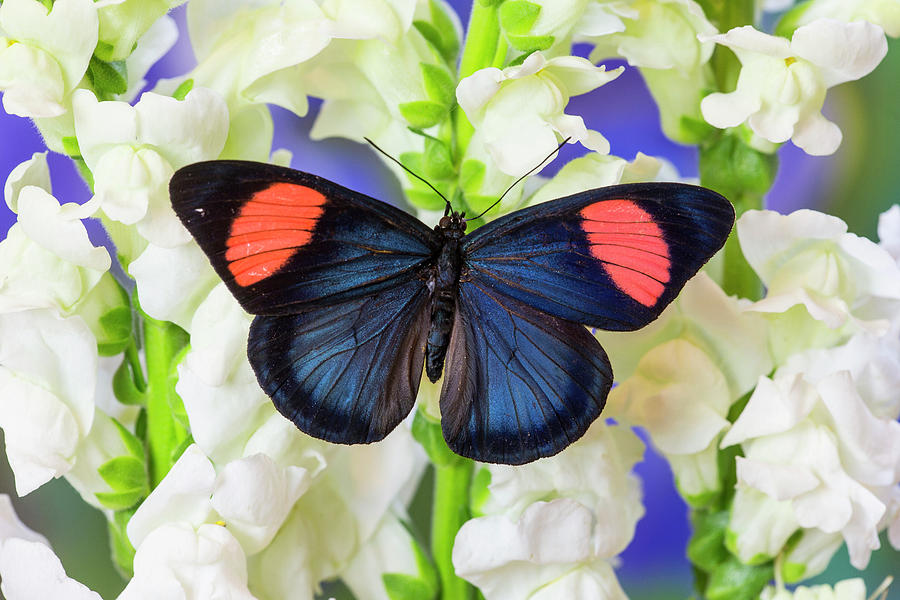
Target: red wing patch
pixel 271 226
pixel 631 247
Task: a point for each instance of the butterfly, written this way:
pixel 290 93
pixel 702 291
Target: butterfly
pixel 353 297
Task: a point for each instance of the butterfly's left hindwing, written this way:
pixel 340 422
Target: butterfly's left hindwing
pixel 612 258
pixel 283 240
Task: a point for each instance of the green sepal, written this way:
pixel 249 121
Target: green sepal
pixel 401 586
pixel 116 325
pixel 693 131
pixel 124 473
pixel 428 434
pixel 423 113
pixel 48 4
pixel 132 443
pixel 182 90
pixel 706 548
pixel 530 43
pixel 121 500
pixel 793 572
pixel 733 580
pixel 108 79
pixel 431 34
pixel 440 32
pixel 518 60
pixel 125 387
pixel 84 171
pixel 471 176
pixel 732 168
pixel 518 16
pixel 178 450
pixel 104 51
pixel 438 161
pixel 70 146
pixel 489 2
pixel 478 491
pixel 120 545
pixel 438 84
pixel 425 199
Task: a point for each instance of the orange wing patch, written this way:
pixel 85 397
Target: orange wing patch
pixel 271 227
pixel 631 247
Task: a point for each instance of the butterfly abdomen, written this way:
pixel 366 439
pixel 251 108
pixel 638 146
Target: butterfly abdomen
pixel 445 287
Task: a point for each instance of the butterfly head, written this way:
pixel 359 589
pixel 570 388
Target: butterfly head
pixel 453 225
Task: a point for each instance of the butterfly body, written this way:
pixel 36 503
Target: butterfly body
pixel 355 298
pixel 443 285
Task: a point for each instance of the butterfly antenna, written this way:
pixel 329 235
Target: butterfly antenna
pixel 541 164
pixel 404 167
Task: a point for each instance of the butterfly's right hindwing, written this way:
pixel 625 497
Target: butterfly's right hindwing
pixel 283 240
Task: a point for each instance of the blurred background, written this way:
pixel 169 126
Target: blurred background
pixel 857 183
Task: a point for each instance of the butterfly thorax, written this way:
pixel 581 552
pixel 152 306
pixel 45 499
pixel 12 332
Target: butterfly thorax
pixel 443 283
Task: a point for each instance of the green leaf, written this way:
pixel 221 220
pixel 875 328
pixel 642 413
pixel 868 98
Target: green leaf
pixel 428 434
pixel 115 326
pixel 124 473
pixel 107 78
pixel 400 586
pixel 132 443
pixel 438 84
pixel 182 90
pixel 423 113
pixel 438 162
pixel 706 548
pixel 518 16
pixel 471 176
pixel 530 43
pixel 120 500
pixel 733 580
pixel 70 146
pixel 120 545
pixel 124 387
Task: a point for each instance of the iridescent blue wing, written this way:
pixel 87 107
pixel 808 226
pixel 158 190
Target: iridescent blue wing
pixel 612 258
pixel 283 240
pixel 518 385
pixel 349 372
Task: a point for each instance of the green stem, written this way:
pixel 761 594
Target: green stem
pixel 162 341
pixel 451 510
pixel 484 47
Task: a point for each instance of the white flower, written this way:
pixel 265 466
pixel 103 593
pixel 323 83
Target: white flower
pixel 849 589
pixel 520 109
pixel 660 37
pixel 33 171
pixel 820 450
pixel 48 370
pixel 151 47
pixel 594 504
pixel 782 85
pixel 132 152
pixel 178 561
pixel 44 54
pixel 885 13
pixel 550 551
pixel 28 567
pixel 823 284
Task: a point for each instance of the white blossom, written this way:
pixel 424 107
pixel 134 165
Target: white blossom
pixel 44 54
pixel 28 567
pixel 520 109
pixel 123 23
pixel 823 284
pixel 782 84
pixel 884 13
pixel 889 231
pixel 849 589
pixel 132 152
pixel 818 450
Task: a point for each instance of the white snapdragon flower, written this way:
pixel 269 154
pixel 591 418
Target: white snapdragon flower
pixel 889 231
pixel 819 458
pixel 132 152
pixel 823 284
pixel 28 567
pixel 556 522
pixel 680 375
pixel 884 13
pixel 177 560
pixel 849 589
pixel 520 109
pixel 782 84
pixel 151 47
pixel 660 37
pixel 44 54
